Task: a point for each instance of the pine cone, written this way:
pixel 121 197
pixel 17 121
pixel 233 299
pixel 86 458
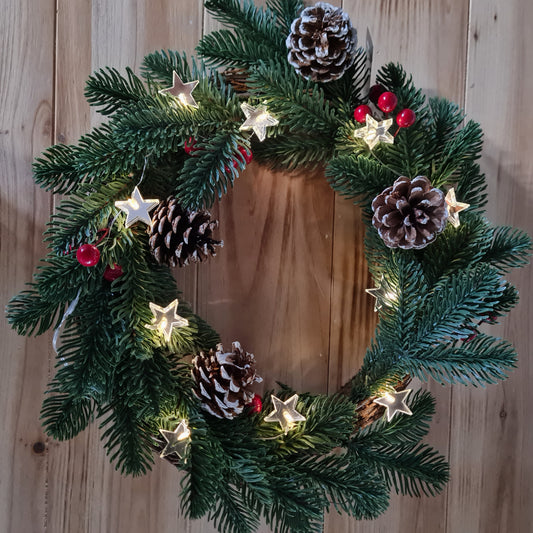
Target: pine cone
pixel 223 380
pixel 322 43
pixel 410 214
pixel 178 236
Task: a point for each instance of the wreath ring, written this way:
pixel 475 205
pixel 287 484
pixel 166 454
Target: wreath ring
pixel 176 142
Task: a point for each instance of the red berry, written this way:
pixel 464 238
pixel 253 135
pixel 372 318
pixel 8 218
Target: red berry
pixel 387 102
pixel 375 92
pixel 112 273
pixel 361 112
pixel 257 404
pixel 405 118
pixel 248 156
pixel 88 255
pixel 189 145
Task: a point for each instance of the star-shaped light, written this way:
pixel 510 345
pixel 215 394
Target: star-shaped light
pixel 285 413
pixel 166 318
pixel 177 440
pixel 394 403
pixel 383 293
pixel 137 208
pixel 182 91
pixel 454 208
pixel 374 132
pixel 257 119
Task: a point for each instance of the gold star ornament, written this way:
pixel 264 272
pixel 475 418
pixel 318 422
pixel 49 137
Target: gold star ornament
pixel 285 413
pixel 454 208
pixel 182 91
pixel 137 208
pixel 257 119
pixel 383 293
pixel 375 132
pixel 177 440
pixel 394 402
pixel 166 319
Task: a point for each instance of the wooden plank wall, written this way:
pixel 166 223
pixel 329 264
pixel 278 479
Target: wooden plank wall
pixel 289 283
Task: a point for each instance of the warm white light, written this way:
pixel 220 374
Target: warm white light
pixel 384 294
pixel 374 132
pixel 182 91
pixel 137 208
pixel 454 208
pixel 166 319
pixel 394 402
pixel 177 440
pixel 258 119
pixel 285 413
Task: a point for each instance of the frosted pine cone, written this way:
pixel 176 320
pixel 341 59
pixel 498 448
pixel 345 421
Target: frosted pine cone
pixel 223 380
pixel 410 214
pixel 322 43
pixel 178 236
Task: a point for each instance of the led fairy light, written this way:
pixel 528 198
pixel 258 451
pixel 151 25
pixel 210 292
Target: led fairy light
pixel 166 319
pixel 137 208
pixel 394 403
pixel 258 119
pixel 285 413
pixel 375 132
pixel 182 91
pixel 177 440
pixel 383 293
pixel 454 208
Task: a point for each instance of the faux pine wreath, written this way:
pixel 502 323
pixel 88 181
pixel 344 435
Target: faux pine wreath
pixel 294 90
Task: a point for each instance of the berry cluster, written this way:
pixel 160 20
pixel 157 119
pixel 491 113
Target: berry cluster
pixel 386 101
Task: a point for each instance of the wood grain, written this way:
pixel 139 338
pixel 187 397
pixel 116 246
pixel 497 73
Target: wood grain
pixel 491 441
pixel 289 283
pixel 26 101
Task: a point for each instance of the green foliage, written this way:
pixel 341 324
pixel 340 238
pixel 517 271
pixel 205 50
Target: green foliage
pixel 110 366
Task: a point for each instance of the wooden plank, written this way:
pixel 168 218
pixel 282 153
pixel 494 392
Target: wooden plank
pixel 492 439
pixel 85 493
pixel 428 39
pixel 26 100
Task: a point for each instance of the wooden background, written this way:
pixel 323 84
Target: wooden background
pixel 290 282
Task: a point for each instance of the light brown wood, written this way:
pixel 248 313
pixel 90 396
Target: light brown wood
pixel 289 283
pixel 26 127
pixel 491 439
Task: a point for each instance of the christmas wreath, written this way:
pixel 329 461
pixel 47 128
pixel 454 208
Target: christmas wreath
pixel 294 90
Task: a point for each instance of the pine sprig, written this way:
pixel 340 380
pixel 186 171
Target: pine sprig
pixel 111 91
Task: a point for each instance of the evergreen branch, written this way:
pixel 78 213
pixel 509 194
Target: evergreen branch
pixel 285 11
pixel 402 429
pixel 457 248
pixel 482 360
pixel 158 67
pixel 329 421
pixel 348 486
pixel 465 145
pixel 232 515
pixel 111 91
pixel 213 169
pixel 455 305
pixel 359 178
pixel 64 416
pixel 290 152
pixel 204 475
pixel 244 17
pixel 226 48
pixel 412 469
pixel 300 104
pixel 510 248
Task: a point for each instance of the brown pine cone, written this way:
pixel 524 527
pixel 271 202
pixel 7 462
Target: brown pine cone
pixel 223 380
pixel 322 43
pixel 410 214
pixel 178 236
